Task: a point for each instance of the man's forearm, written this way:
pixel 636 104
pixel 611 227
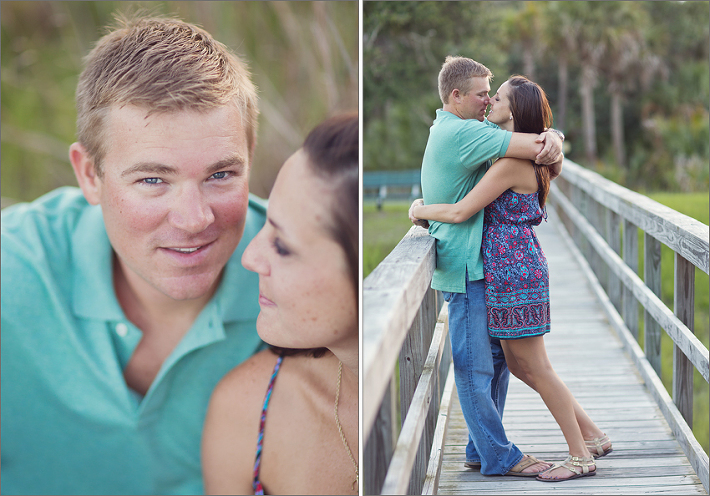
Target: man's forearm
pixel 544 149
pixel 523 145
pixel 556 168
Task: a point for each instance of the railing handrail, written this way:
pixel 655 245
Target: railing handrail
pixel 406 323
pixel 676 330
pixel 684 235
pixel 392 295
pixel 592 206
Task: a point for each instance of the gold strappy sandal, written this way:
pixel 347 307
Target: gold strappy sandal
pixel 578 465
pixel 596 446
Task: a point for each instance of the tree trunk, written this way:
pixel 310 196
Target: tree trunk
pixel 529 62
pixel 586 92
pixel 562 76
pixel 617 126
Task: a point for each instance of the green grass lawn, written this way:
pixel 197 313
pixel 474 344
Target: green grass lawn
pixel 382 230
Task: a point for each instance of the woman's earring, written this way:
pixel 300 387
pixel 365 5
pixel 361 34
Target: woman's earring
pixel 511 117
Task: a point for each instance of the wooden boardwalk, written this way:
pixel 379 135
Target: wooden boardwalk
pixel 588 356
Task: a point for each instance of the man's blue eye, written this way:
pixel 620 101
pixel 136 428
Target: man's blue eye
pixel 152 180
pixel 220 175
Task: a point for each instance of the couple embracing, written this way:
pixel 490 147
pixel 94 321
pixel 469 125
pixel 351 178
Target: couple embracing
pixel 484 182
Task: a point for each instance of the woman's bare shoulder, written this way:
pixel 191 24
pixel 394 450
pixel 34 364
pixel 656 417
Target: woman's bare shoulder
pixel 519 172
pixel 247 381
pixel 232 426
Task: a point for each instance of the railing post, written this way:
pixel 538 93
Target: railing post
pixel 684 309
pixel 631 258
pixel 380 444
pixel 652 277
pixel 614 240
pixel 411 363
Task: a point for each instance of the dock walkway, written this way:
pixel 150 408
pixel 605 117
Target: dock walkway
pixel 589 357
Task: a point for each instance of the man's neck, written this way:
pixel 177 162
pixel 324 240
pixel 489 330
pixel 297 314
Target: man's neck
pixel 452 110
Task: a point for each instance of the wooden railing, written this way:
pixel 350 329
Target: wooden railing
pixel 603 218
pixel 401 333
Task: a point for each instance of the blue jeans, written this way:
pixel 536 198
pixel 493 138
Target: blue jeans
pixel 481 376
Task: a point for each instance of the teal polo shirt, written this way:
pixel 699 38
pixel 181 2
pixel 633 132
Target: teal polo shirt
pixel 457 155
pixel 70 424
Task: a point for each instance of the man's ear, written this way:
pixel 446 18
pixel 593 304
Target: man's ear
pixel 455 95
pixel 85 172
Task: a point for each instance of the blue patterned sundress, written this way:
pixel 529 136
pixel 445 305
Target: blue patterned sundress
pixel 517 280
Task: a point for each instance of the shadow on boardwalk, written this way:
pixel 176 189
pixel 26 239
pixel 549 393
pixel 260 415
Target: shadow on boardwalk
pixel 588 356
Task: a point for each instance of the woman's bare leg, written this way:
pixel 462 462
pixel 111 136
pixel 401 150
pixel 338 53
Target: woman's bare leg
pixel 586 425
pixel 531 358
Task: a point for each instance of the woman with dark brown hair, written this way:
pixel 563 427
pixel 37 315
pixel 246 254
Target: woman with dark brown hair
pixel 513 192
pixel 286 420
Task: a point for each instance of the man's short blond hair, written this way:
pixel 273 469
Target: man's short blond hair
pixel 162 65
pixel 457 73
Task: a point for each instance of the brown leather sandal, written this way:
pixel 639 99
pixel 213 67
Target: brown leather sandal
pixel 596 446
pixel 572 463
pixel 526 462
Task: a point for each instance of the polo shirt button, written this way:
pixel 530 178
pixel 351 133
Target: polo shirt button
pixel 121 329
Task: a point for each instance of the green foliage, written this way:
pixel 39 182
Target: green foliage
pixel 656 52
pixel 303 57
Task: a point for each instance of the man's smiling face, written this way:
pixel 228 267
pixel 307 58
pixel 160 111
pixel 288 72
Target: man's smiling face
pixel 174 196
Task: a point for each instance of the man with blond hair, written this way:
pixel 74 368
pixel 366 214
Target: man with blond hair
pixel 462 145
pixel 124 301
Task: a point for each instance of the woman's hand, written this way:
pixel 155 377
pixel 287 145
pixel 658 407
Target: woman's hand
pixel 417 222
pixel 552 151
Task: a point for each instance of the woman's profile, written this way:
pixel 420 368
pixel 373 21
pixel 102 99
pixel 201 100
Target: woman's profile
pixel 286 420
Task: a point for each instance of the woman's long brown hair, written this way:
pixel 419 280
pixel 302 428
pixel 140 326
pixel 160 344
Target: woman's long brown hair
pixel 531 114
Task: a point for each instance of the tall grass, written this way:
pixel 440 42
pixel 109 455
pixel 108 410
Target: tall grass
pixel 303 57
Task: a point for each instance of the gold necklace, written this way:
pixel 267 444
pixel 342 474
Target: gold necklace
pixel 340 429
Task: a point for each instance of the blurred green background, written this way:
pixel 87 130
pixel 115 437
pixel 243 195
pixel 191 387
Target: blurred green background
pixel 303 57
pixel 628 82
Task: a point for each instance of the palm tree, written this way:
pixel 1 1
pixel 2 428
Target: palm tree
pixel 522 29
pixel 625 48
pixel 560 37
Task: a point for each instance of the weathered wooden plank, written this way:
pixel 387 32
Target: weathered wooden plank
pixel 671 485
pixel 679 332
pixel 630 305
pixel 681 233
pixel 400 468
pixel 697 457
pixel 613 238
pixel 684 309
pixel 392 295
pixel 380 443
pixel 431 483
pixel 652 278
